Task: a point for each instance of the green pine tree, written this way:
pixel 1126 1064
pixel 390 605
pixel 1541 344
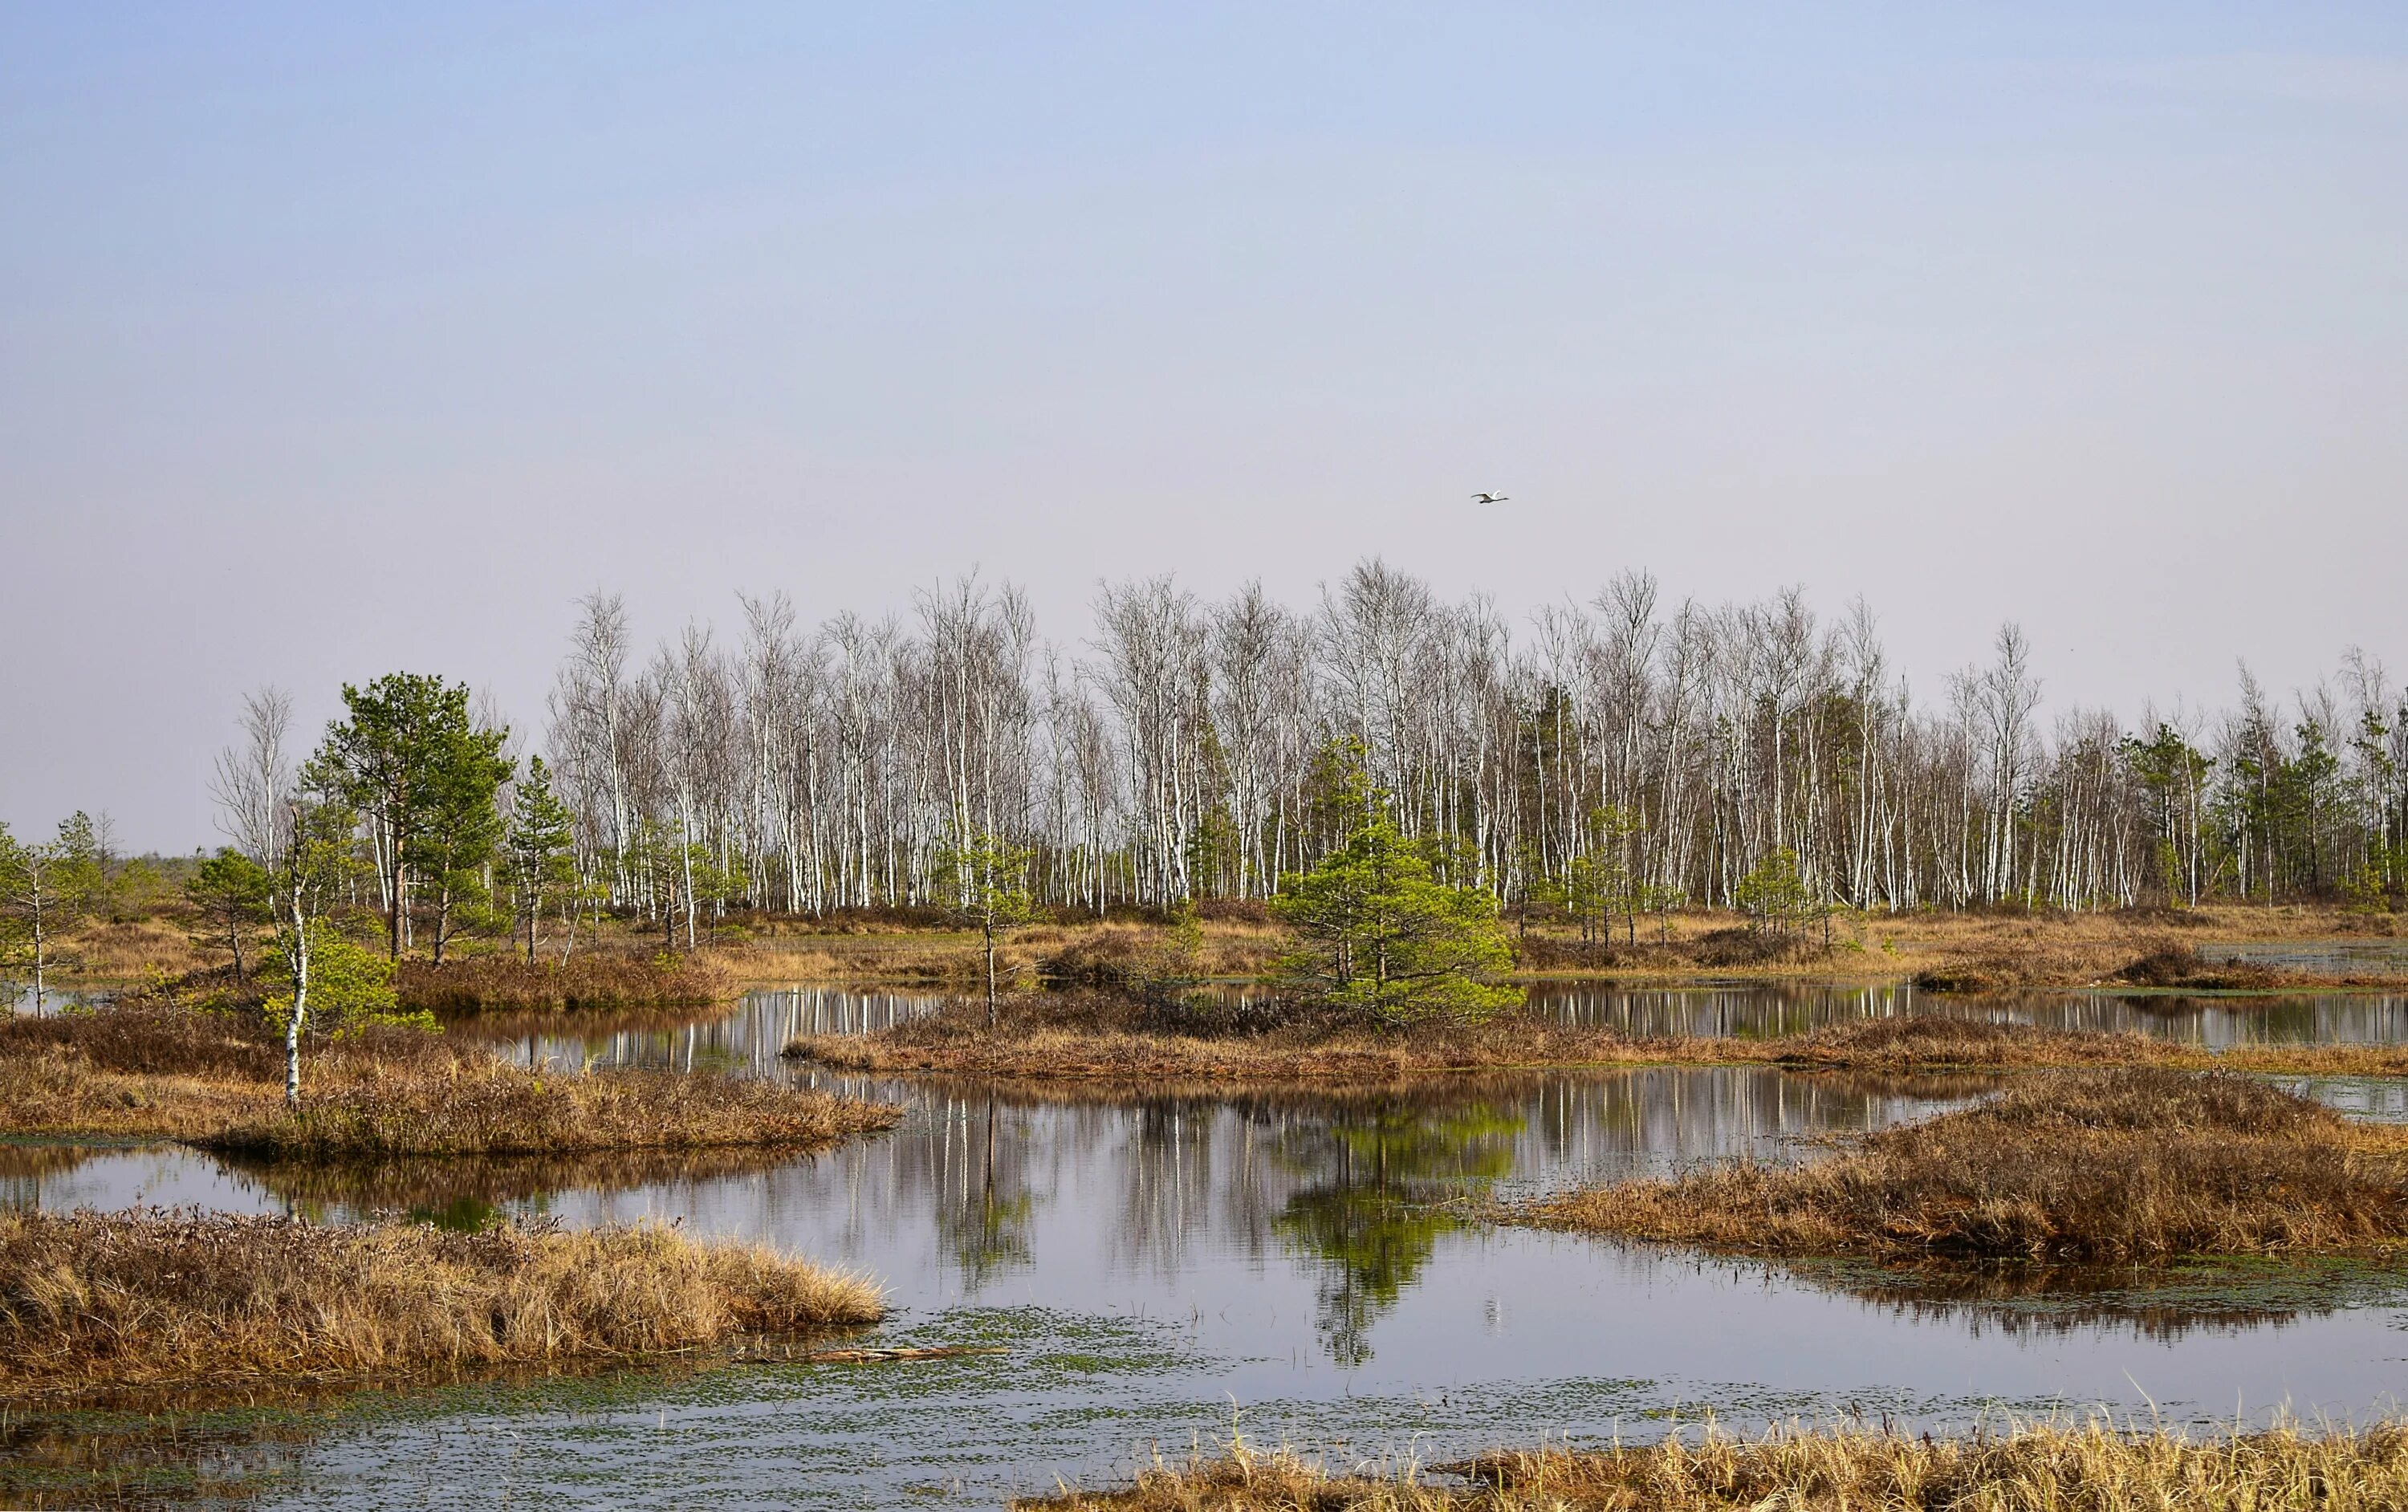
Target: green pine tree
pixel 1380 939
pixel 542 866
pixel 232 893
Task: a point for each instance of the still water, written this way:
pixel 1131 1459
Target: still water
pixel 1306 1266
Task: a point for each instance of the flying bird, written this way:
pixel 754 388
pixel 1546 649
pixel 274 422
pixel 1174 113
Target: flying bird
pixel 1489 498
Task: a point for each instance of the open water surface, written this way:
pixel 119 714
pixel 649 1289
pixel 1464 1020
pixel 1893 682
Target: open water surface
pixel 1160 1265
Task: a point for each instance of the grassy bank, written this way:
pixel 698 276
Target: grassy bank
pixel 215 1080
pixel 96 1300
pixel 615 963
pixel 2092 1468
pixel 1962 953
pixel 2124 1166
pixel 1100 1037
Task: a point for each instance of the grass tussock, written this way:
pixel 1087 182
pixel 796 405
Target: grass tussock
pixel 468 1106
pixel 510 984
pixel 2180 966
pixel 93 1301
pixel 2090 1467
pixel 2123 1166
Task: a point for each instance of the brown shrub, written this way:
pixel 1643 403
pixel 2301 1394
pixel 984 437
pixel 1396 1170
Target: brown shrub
pixel 90 1300
pixel 478 984
pixel 2125 1166
pixel 145 1038
pixel 2180 966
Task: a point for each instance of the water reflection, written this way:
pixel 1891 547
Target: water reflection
pixel 1766 1010
pixel 2163 1306
pixel 1366 1209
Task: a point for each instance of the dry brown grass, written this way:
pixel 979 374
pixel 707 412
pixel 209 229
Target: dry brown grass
pixel 1093 1036
pixel 216 1079
pixel 138 950
pixel 1965 952
pixel 2123 1166
pixel 510 984
pixel 2044 1467
pixel 476 1107
pixel 1068 1037
pixel 111 1300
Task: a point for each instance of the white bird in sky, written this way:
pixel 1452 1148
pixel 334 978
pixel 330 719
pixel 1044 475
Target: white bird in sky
pixel 1489 498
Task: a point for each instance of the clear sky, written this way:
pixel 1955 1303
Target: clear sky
pixel 339 339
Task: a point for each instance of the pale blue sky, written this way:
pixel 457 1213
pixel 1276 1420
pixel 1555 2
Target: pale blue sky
pixel 335 342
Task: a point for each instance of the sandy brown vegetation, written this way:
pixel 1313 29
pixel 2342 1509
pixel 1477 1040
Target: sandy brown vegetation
pixel 475 1106
pixel 1944 951
pixel 2089 1467
pixel 1096 1036
pixel 214 1078
pixel 2122 1166
pixel 1969 952
pixel 134 949
pixel 597 979
pixel 1092 1035
pixel 105 1300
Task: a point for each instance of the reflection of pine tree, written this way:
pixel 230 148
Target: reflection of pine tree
pixel 1370 1214
pixel 984 1218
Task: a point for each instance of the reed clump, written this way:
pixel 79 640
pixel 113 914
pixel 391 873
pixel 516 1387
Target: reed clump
pixel 91 1301
pixel 2091 1466
pixel 599 980
pixel 2122 1166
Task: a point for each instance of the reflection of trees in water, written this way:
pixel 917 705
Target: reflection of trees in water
pixel 983 1204
pixel 1168 1188
pixel 24 1168
pixel 2043 1300
pixel 1374 1175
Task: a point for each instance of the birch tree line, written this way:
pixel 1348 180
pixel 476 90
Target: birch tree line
pixel 1627 754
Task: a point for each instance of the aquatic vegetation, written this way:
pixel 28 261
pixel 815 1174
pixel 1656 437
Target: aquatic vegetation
pixel 93 1300
pixel 2090 1466
pixel 2122 1166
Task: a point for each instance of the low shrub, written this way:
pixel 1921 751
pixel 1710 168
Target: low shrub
pixel 490 983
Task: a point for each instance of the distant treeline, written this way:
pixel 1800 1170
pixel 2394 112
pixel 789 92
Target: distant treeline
pixel 1635 755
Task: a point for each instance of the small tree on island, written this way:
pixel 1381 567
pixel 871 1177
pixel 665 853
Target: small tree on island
pixel 1380 939
pixel 542 866
pixel 991 883
pixel 234 896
